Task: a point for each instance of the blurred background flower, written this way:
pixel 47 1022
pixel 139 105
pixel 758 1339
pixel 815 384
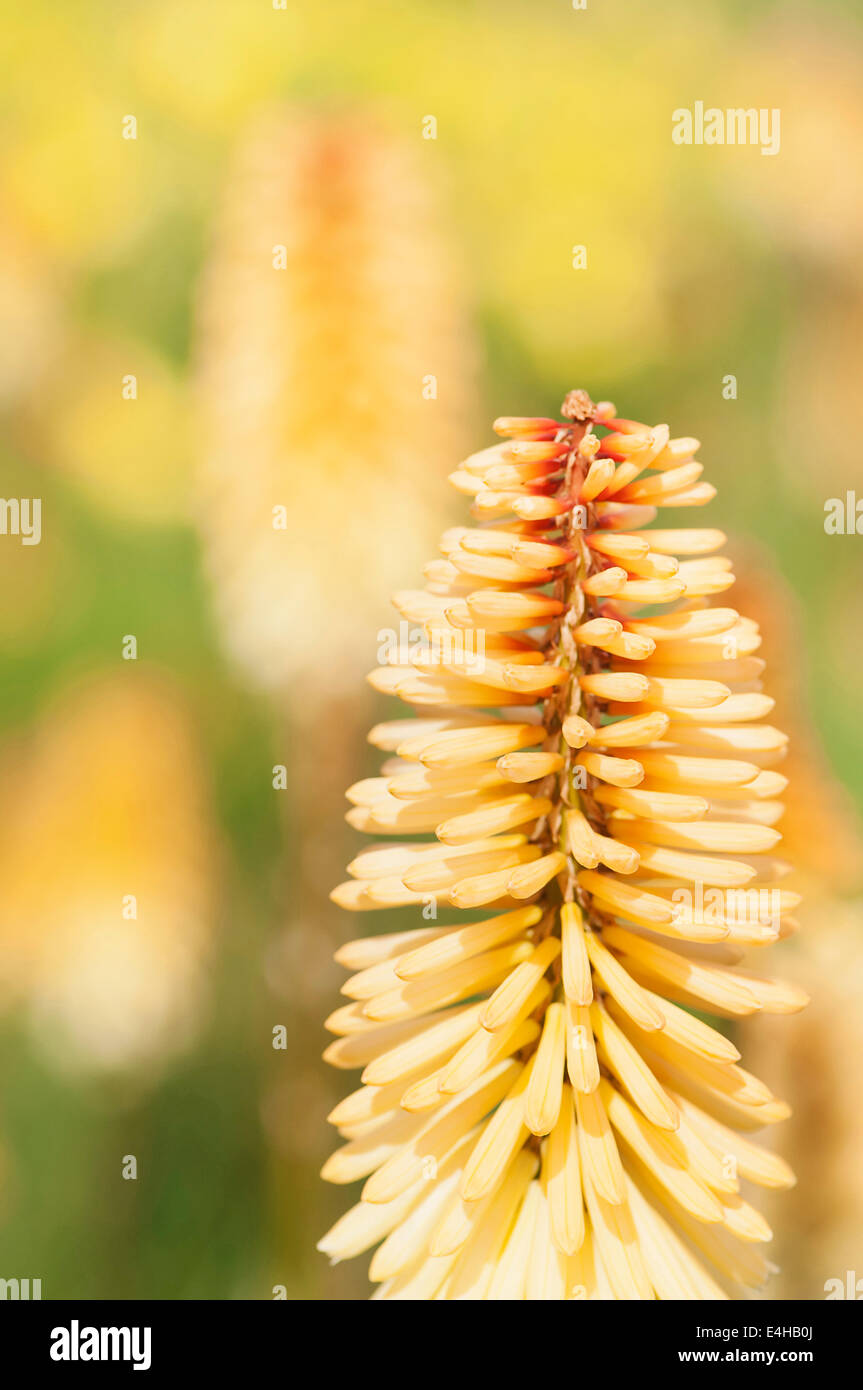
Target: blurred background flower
pixel 818 1236
pixel 108 867
pixel 488 195
pixel 337 368
pixel 336 371
pixel 819 1229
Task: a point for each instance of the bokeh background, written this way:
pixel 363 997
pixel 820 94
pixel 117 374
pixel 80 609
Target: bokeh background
pixel 339 243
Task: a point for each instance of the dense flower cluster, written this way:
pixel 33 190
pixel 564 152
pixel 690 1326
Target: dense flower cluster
pixel 544 1111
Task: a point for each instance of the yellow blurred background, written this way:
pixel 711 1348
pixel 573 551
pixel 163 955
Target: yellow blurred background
pixel 267 271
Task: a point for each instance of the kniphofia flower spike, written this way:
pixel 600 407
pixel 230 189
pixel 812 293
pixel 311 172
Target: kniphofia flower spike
pixel 544 1111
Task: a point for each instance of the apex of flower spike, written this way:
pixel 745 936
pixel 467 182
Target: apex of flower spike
pixel 578 406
